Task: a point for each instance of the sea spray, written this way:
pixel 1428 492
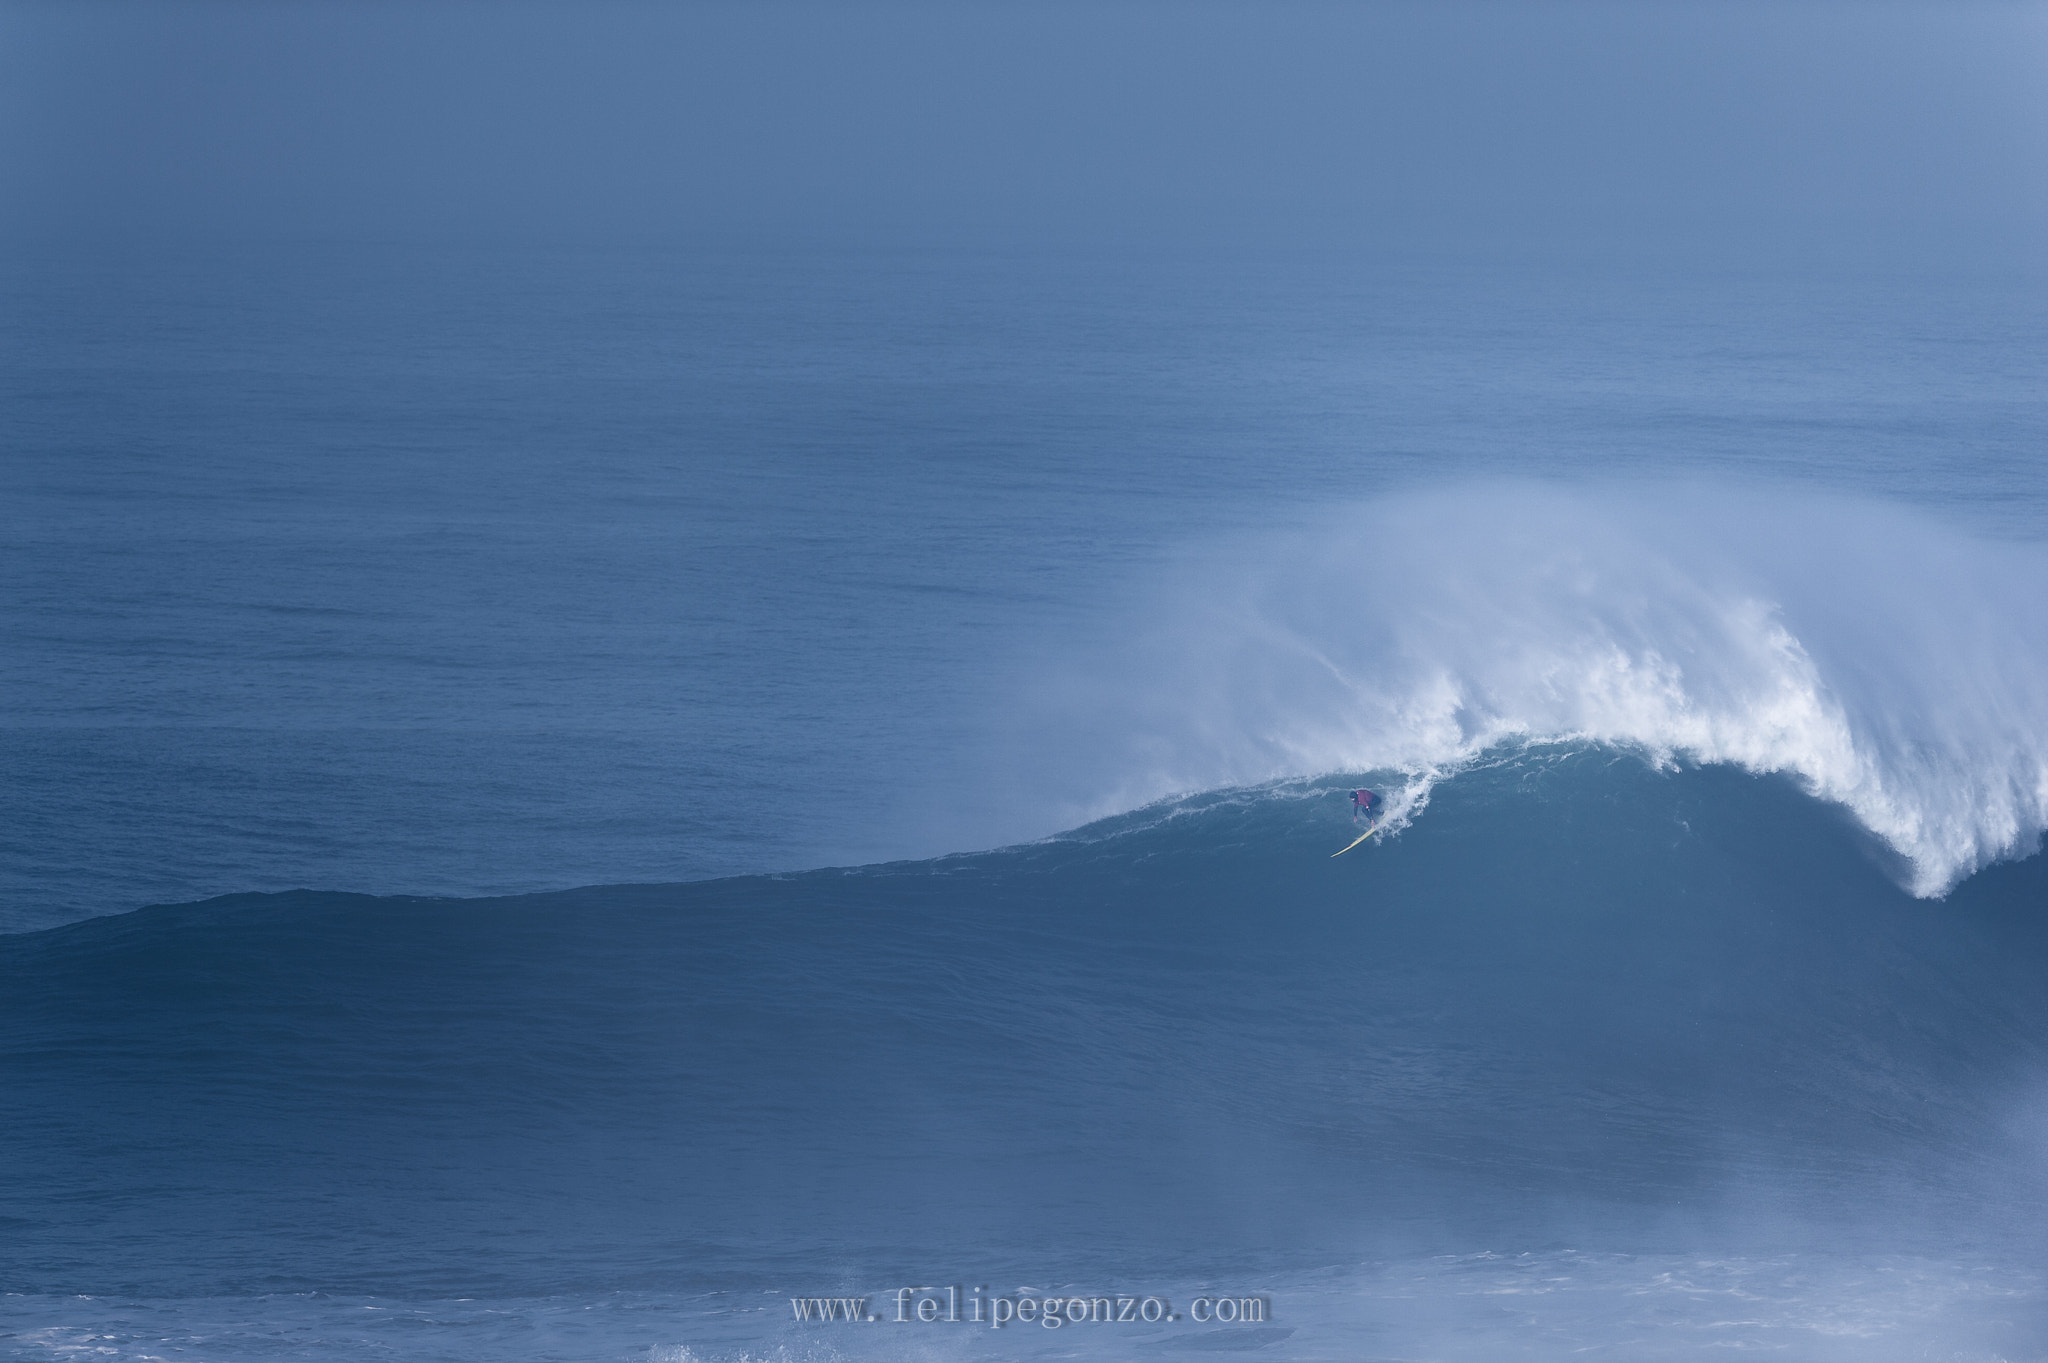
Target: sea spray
pixel 1889 663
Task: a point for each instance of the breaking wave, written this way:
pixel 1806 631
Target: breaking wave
pixel 1891 664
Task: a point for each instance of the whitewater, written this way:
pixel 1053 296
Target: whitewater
pixel 1894 665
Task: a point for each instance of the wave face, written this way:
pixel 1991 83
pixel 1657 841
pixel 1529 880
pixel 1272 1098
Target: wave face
pixel 1889 664
pixel 1585 1000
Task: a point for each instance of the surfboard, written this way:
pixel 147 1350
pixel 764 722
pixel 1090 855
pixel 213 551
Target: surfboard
pixel 1360 838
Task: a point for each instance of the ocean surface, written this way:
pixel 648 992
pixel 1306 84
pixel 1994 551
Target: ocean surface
pixel 671 781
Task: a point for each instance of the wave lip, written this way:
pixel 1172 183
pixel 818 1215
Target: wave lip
pixel 1890 664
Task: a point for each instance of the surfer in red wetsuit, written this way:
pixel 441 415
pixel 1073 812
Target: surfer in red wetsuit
pixel 1362 805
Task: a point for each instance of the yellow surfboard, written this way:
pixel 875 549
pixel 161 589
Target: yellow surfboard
pixel 1360 838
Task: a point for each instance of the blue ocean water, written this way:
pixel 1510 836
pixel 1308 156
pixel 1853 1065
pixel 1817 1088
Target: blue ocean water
pixel 460 572
pixel 1690 620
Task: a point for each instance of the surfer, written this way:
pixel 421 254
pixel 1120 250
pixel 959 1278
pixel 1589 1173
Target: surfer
pixel 1363 802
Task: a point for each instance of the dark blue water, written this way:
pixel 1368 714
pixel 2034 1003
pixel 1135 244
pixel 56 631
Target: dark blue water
pixel 1580 1006
pixel 1690 620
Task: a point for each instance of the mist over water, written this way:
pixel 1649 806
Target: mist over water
pixel 1810 131
pixel 492 498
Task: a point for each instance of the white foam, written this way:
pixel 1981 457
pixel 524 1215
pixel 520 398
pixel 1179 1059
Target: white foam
pixel 1890 663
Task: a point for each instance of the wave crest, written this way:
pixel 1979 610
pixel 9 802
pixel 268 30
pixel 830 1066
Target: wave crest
pixel 1891 664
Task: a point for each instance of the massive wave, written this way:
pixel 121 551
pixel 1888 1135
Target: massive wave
pixel 1580 998
pixel 1655 995
pixel 1891 664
